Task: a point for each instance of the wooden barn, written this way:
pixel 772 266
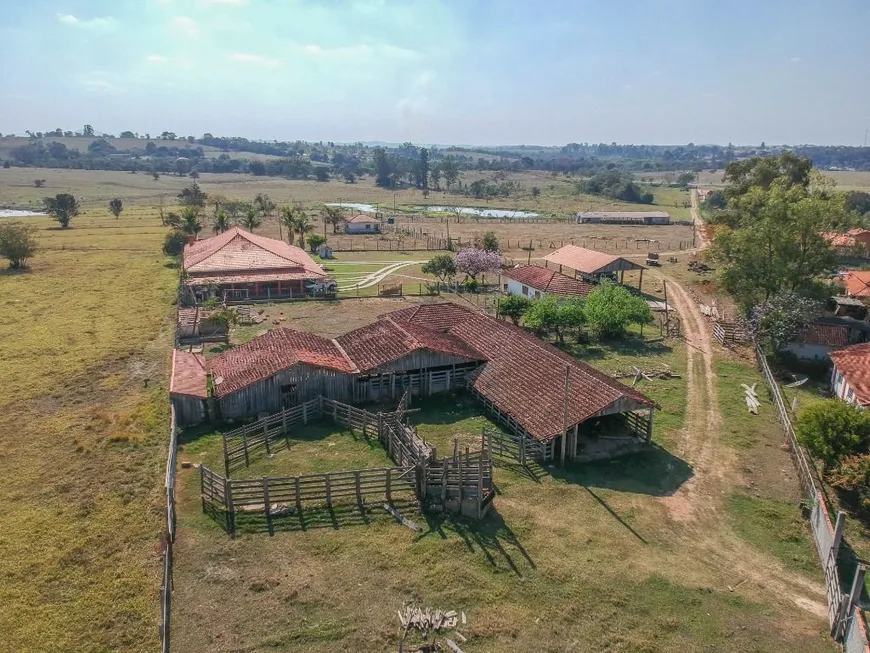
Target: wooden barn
pixel 279 369
pixel 188 387
pixel 392 358
pixel 541 394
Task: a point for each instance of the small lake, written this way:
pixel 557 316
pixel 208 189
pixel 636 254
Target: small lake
pixel 14 213
pixel 482 213
pixel 462 210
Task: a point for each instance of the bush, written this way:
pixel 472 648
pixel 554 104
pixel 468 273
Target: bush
pixel 174 242
pixel 514 307
pixel 17 243
pixel 315 241
pixel 853 476
pixel 832 430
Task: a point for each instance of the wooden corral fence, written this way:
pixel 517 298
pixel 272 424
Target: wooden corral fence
pixel 225 498
pixel 845 613
pixel 516 446
pixel 543 450
pixel 167 537
pixel 461 483
pixel 270 433
pixel 729 332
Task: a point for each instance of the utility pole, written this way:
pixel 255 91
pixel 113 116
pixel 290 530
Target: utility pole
pixel 667 310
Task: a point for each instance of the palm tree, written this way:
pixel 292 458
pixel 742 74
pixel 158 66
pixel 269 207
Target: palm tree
pixel 190 223
pixel 289 217
pixel 220 222
pixel 303 226
pixel 250 219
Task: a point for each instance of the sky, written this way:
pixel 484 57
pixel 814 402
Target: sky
pixel 473 72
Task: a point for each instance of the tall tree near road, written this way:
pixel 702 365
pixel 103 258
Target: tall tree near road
pixel 772 241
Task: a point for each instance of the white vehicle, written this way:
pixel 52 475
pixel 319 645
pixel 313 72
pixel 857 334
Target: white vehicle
pixel 325 287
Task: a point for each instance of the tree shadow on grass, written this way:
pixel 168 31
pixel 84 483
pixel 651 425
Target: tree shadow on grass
pixel 14 272
pixel 491 536
pixel 655 472
pixel 630 345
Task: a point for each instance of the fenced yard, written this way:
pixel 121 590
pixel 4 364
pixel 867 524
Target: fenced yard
pixel 845 611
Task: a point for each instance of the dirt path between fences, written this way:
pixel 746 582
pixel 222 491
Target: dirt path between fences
pixel 697 507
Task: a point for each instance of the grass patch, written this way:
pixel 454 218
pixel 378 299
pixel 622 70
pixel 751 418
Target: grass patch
pixel 775 527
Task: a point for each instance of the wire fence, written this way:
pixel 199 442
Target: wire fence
pixel 845 613
pixel 167 537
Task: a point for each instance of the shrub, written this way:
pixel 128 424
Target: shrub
pixel 63 207
pixel 174 242
pixel 17 243
pixel 514 307
pixel 315 241
pixel 832 430
pixel 853 476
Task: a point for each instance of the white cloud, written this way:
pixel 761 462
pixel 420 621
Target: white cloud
pixel 224 2
pixel 97 23
pixel 255 59
pixel 795 59
pixel 156 58
pixel 185 25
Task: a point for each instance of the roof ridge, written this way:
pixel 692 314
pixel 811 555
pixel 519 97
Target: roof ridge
pixel 414 339
pixel 208 252
pixel 353 366
pixel 265 245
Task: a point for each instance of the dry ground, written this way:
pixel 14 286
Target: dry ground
pixel 694 547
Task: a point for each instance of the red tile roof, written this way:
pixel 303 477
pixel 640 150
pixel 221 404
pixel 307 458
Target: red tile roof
pixel 438 317
pixel 857 283
pixel 854 363
pixel 525 378
pixel 237 251
pixel 831 335
pixel 550 281
pixel 271 353
pixel 839 240
pixel 587 261
pixel 363 218
pixel 188 375
pixel 385 341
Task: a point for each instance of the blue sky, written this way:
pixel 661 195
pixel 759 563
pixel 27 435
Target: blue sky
pixel 451 71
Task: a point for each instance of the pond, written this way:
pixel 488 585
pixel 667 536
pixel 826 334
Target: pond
pixel 14 213
pixel 462 210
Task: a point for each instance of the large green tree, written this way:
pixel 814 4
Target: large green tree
pixel 17 243
pixel 831 430
pixel 772 240
pixel 555 315
pixel 610 309
pixel 442 266
pixel 63 207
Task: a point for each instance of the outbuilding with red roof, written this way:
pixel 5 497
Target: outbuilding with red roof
pixel 534 282
pixel 362 224
pixel 850 379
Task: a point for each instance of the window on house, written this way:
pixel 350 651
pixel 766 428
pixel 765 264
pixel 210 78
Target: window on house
pixel 526 291
pixel 537 294
pixel 850 395
pixel 368 226
pixel 505 287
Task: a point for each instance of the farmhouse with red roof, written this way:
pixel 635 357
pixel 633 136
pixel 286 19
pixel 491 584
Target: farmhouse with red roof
pixel 592 265
pixel 239 265
pixel 533 281
pixel 534 389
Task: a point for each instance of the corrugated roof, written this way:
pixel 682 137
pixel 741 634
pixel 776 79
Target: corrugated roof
pixel 188 375
pixel 857 283
pixel 587 261
pixel 273 352
pixel 239 251
pixel 550 281
pixel 854 363
pixel 624 214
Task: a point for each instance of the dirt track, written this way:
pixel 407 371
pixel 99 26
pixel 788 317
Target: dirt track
pixel 697 506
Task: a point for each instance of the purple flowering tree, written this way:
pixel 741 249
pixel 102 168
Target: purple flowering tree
pixel 475 262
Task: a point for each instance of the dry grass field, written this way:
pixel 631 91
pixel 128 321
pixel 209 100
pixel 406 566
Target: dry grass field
pixel 694 546
pixel 590 557
pixel 846 180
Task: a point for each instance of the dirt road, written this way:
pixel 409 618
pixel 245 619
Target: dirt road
pixel 697 507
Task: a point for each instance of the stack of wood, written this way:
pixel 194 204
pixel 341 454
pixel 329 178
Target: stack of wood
pixel 430 621
pixel 752 402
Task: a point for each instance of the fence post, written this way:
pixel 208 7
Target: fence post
pixel 389 493
pixel 838 534
pixel 226 457
pixel 298 498
pixel 231 509
pixel 267 505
